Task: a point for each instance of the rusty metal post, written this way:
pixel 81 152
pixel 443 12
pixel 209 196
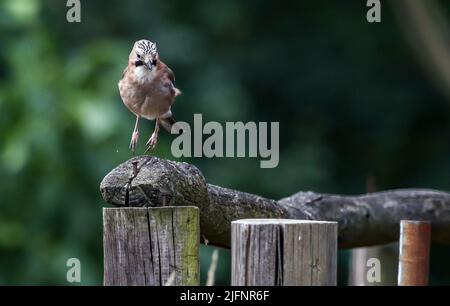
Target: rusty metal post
pixel 414 253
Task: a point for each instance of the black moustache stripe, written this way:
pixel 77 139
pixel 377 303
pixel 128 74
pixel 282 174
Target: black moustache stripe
pixel 138 63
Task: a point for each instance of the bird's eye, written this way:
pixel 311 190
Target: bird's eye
pixel 138 56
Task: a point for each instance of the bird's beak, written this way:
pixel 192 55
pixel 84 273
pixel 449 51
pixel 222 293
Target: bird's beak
pixel 149 65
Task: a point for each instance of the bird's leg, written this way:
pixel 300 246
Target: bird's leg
pixel 135 136
pixel 151 143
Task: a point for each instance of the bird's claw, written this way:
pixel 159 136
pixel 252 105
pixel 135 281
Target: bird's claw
pixel 151 143
pixel 134 141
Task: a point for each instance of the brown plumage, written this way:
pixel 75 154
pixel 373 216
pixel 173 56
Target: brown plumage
pixel 147 89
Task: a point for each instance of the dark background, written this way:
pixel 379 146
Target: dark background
pixel 353 99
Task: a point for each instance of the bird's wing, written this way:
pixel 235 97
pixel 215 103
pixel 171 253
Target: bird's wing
pixel 167 123
pixel 171 75
pixel 124 71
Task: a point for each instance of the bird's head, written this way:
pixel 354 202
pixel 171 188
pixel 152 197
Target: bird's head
pixel 144 54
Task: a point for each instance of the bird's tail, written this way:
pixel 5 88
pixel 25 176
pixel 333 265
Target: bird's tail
pixel 167 123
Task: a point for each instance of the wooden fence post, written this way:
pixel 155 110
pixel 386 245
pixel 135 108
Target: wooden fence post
pixel 360 265
pixel 281 252
pixel 414 253
pixel 147 246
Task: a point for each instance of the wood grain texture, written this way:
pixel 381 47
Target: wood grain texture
pixel 364 220
pixel 143 246
pixel 277 252
pixel 414 253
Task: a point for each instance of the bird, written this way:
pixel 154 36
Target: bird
pixel 147 89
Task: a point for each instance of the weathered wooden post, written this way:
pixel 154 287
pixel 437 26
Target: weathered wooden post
pixel 282 252
pixel 361 264
pixel 145 246
pixel 414 253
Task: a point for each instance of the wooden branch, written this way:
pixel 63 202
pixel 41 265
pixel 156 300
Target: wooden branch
pixel 364 220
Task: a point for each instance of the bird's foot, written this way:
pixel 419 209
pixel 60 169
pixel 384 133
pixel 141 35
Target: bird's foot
pixel 134 141
pixel 151 143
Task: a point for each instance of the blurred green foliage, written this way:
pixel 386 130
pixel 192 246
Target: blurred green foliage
pixel 350 97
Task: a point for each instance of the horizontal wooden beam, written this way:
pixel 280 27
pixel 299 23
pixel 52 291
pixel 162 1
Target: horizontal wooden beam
pixel 364 220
